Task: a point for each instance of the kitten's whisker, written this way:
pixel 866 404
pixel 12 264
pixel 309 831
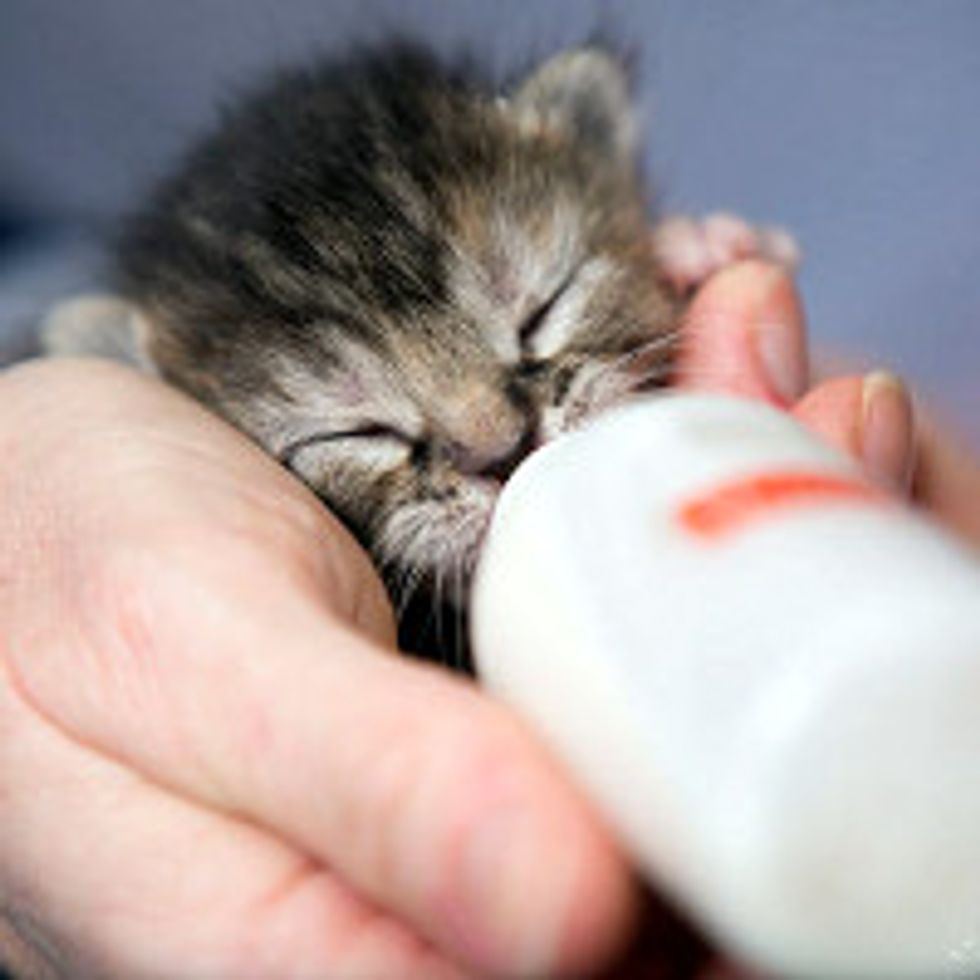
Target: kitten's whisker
pixel 620 367
pixel 664 340
pixel 407 586
pixel 457 576
pixel 469 524
pixel 661 342
pixel 658 374
pixel 437 606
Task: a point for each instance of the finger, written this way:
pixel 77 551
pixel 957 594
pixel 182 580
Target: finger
pixel 947 480
pixel 868 417
pixel 423 795
pixel 139 881
pixel 833 411
pixel 228 677
pixel 745 335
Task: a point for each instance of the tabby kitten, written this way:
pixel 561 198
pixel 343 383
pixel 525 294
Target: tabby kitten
pixel 400 281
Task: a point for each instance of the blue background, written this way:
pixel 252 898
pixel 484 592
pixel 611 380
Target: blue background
pixel 855 124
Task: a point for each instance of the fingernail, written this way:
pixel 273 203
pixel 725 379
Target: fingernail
pixel 886 429
pixel 782 361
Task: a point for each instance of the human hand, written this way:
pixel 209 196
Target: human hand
pixel 210 765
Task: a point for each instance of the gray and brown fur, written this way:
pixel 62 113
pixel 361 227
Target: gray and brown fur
pixel 400 280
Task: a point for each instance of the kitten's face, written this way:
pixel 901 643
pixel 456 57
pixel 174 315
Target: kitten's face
pixel 503 293
pixel 551 314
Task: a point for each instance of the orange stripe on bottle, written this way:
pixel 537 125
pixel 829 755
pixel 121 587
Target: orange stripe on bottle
pixel 729 507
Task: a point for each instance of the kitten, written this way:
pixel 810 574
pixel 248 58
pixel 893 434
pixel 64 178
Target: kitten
pixel 400 281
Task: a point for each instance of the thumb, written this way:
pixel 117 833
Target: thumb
pixel 745 335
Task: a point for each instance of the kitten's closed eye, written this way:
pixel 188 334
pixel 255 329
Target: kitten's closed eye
pixel 376 432
pixel 531 328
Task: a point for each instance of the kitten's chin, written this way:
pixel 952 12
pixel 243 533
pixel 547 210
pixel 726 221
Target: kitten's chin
pixel 436 544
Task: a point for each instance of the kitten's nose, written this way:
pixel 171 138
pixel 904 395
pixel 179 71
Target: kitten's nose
pixel 496 464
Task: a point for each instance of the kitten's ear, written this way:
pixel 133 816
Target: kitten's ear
pixel 98 326
pixel 584 92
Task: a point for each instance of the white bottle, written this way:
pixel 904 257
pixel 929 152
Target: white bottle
pixel 765 671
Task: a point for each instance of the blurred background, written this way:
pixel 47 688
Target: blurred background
pixel 854 123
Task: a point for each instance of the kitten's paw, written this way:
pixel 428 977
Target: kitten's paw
pixel 97 326
pixel 689 250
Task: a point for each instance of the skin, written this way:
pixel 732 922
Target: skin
pixel 210 761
